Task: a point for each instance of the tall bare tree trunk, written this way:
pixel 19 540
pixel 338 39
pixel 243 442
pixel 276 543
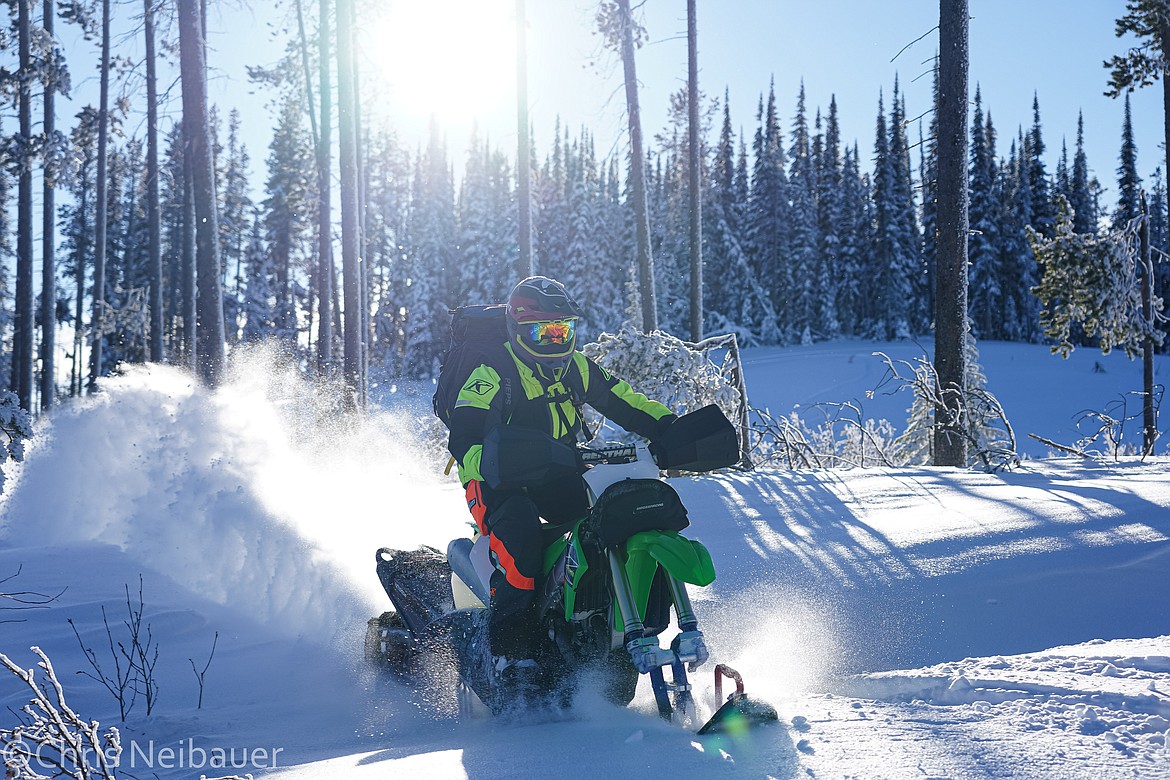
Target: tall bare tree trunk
pixel 1164 35
pixel 694 174
pixel 324 215
pixel 187 260
pixel 1149 414
pixel 22 360
pixel 209 331
pixel 523 146
pixel 350 262
pixel 153 219
pixel 77 381
pixel 637 177
pixel 99 263
pixel 48 242
pixel 950 362
pixel 360 175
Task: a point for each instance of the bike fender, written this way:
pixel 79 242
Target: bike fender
pixel 685 559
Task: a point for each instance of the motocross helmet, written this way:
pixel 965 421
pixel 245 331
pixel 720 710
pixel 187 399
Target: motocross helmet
pixel 542 324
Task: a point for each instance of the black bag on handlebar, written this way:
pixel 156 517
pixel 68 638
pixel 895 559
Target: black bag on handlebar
pixel 703 440
pixel 515 457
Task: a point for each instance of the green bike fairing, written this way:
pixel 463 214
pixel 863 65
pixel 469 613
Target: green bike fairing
pixel 685 559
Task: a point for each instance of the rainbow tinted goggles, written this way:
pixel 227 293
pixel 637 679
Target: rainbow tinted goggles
pixel 551 332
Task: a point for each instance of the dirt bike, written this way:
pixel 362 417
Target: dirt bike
pixel 609 583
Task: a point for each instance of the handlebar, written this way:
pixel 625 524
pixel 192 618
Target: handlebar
pixel 608 454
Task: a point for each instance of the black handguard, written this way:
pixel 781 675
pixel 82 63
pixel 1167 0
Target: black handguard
pixel 515 457
pixel 703 440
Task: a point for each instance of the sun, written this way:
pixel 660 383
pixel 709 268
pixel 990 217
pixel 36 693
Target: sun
pixel 451 59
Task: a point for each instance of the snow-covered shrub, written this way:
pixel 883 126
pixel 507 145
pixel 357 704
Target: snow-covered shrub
pixel 842 440
pixel 1104 431
pixel 17 426
pixel 683 376
pixel 978 416
pixel 52 735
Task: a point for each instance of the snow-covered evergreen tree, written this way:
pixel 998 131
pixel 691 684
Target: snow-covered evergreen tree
pixel 258 307
pixel 735 301
pixel 289 209
pixel 1092 281
pixel 1017 262
pixel 854 247
pixel 235 223
pixel 387 213
pixel 1129 184
pixel 829 225
pixel 768 213
pixel 486 255
pixel 986 296
pixel 895 245
pixel 430 279
pixel 1080 196
pixel 801 255
pixel 912 302
pixel 1043 214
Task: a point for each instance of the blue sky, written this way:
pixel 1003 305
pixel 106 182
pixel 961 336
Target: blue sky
pixel 462 55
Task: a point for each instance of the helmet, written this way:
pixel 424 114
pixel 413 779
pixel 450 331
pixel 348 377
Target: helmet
pixel 542 323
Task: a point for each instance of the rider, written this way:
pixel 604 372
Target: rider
pixel 553 380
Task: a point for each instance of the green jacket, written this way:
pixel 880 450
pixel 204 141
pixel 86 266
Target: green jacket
pixel 544 407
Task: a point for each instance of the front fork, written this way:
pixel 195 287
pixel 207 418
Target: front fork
pixel 648 655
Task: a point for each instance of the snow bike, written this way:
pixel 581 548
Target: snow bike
pixel 610 579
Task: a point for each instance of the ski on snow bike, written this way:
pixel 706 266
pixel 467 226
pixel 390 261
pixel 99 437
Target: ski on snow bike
pixel 609 583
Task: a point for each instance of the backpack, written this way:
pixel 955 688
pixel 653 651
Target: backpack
pixel 478 336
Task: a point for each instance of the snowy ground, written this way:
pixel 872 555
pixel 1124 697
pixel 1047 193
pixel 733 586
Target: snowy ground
pixel 905 623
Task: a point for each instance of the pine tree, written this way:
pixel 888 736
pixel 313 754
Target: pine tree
pixel 1043 215
pixel 768 212
pixel 430 276
pixel 1142 65
pixel 235 224
pixel 386 241
pixel 829 225
pixel 1017 262
pixel 289 211
pixel 1129 184
pixel 551 209
pixel 895 244
pixel 854 248
pixel 591 273
pixel 487 244
pixel 986 297
pixel 803 241
pixel 258 310
pixel 913 303
pixel 1080 195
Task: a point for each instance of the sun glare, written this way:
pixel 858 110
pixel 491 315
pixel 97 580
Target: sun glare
pixel 453 59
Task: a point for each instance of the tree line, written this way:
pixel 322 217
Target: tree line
pixel 806 236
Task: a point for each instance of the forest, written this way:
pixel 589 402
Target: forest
pixel 153 246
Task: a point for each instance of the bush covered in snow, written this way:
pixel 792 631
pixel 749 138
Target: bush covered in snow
pixel 17 426
pixel 52 735
pixel 683 376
